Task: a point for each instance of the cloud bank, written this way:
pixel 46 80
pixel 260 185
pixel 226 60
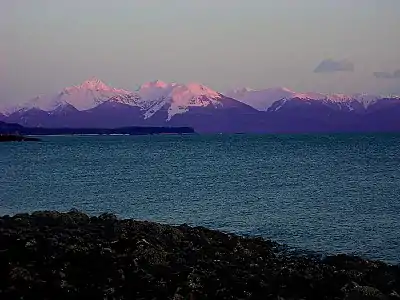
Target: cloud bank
pixel 330 66
pixel 387 75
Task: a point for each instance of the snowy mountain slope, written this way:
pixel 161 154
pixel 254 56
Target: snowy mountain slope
pixel 263 100
pixel 156 103
pixel 183 97
pixel 156 96
pixel 85 96
pixel 175 98
pixel 260 99
pixel 4 109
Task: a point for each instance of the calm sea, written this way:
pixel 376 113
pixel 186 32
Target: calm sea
pixel 322 193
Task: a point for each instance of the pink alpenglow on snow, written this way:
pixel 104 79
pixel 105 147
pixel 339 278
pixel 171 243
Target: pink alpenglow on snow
pixel 158 103
pixel 191 95
pixel 85 96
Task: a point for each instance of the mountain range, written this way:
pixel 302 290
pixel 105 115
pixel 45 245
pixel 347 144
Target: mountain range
pixel 94 104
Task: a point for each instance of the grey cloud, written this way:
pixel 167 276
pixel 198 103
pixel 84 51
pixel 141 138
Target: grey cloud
pixel 387 75
pixel 330 65
pixel 383 75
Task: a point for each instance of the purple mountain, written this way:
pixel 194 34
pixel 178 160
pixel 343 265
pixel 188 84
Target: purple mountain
pixel 278 110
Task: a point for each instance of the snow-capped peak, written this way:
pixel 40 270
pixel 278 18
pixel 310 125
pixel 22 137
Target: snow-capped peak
pixel 154 90
pixel 264 99
pixel 85 96
pixel 182 97
pixel 261 99
pixel 89 94
pixel 194 90
pixel 154 84
pixel 93 84
pixel 176 98
pixel 242 90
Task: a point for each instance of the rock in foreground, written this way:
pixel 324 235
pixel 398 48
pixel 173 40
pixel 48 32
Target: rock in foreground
pixel 51 255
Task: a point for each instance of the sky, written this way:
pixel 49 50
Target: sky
pixel 47 45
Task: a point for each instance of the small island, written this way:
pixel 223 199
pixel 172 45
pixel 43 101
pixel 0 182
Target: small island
pixel 17 138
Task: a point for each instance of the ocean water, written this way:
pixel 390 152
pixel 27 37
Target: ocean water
pixel 322 193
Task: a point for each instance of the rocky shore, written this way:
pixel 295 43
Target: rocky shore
pixel 51 255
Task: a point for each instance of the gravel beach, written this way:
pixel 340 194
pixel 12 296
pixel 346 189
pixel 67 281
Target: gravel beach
pixel 52 255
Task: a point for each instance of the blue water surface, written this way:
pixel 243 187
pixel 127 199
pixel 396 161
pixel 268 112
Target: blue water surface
pixel 323 193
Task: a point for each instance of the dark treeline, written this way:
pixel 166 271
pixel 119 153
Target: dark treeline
pixel 16 129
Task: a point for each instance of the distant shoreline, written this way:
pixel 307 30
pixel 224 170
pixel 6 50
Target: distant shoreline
pixel 16 129
pixel 17 138
pixel 104 134
pixel 107 257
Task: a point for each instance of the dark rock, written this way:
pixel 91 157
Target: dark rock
pixel 108 217
pixel 78 217
pixel 394 296
pixel 365 293
pixel 52 255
